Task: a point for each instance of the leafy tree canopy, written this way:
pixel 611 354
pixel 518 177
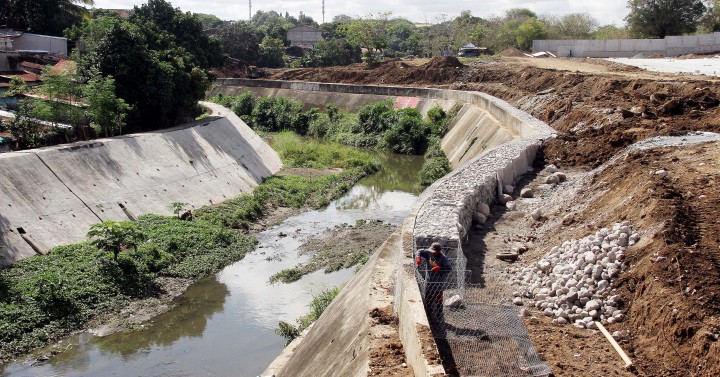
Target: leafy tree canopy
pixel 158 59
pixel 658 18
pixel 42 17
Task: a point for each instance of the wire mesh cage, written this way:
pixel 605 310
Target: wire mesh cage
pixel 477 329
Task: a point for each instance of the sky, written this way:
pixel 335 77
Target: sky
pixel 419 11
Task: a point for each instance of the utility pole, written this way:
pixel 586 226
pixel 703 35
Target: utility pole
pixel 323 10
pixel 250 11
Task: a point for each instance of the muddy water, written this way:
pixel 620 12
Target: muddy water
pixel 224 325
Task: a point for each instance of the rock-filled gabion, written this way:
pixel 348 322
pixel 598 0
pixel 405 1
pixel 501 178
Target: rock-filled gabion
pixel 447 213
pixel 572 282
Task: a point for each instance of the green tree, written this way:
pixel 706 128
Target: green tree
pixel 336 52
pixel 272 53
pixel 519 14
pixel 528 31
pixel 272 24
pixel 240 40
pixel 610 32
pixel 17 86
pixel 115 236
pixel 91 32
pixel 105 109
pixel 658 18
pixel 159 60
pixel 208 21
pixel 23 128
pixel 42 17
pixel 369 33
pixel 710 22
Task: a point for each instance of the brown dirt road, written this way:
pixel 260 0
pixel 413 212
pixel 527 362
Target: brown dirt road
pixel 671 293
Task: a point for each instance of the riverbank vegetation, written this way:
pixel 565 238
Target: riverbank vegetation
pixel 293 190
pixel 375 125
pixel 43 298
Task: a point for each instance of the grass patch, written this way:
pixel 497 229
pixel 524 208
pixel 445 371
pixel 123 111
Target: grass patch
pixel 319 303
pixel 287 275
pixel 301 152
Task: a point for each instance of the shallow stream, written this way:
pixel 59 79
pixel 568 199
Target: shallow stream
pixel 224 325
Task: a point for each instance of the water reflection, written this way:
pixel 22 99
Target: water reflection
pixel 399 173
pixel 189 319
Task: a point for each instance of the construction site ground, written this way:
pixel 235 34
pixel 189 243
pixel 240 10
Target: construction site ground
pixel 671 292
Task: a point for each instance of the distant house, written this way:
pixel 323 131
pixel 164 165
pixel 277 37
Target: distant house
pixel 470 51
pixel 15 46
pixel 304 36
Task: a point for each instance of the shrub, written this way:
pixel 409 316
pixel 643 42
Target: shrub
pixel 243 104
pixel 408 135
pixel 376 117
pixel 275 114
pixel 436 164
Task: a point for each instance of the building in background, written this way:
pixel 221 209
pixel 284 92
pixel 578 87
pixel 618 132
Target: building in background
pixel 304 36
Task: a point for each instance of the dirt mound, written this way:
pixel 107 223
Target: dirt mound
pixel 440 62
pixel 672 291
pixel 511 51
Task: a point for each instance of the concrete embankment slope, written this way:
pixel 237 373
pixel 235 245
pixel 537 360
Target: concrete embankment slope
pixel 54 194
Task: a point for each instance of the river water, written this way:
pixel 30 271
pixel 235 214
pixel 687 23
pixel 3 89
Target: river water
pixel 224 325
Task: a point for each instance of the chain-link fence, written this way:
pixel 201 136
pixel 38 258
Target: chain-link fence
pixel 478 331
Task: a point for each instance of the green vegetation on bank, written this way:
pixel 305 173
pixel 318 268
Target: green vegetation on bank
pixel 376 125
pixel 319 303
pixel 293 190
pixel 43 298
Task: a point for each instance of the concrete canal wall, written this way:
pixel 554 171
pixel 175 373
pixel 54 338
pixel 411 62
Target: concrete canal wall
pixel 51 196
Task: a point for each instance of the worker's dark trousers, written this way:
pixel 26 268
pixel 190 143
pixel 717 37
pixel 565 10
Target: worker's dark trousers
pixel 434 302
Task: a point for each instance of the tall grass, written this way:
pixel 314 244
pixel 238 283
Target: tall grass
pixel 302 152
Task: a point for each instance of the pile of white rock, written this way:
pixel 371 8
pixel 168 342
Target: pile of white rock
pixel 572 282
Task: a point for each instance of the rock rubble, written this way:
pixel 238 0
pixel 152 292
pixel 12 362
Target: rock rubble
pixel 572 282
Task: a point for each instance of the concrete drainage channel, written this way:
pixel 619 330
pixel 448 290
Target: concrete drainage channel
pixel 491 144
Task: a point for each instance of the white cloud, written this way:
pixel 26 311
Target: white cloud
pixel 606 12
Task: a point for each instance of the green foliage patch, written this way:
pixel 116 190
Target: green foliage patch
pixel 45 297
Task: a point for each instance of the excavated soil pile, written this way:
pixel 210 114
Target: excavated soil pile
pixel 511 51
pixel 671 292
pixel 393 72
